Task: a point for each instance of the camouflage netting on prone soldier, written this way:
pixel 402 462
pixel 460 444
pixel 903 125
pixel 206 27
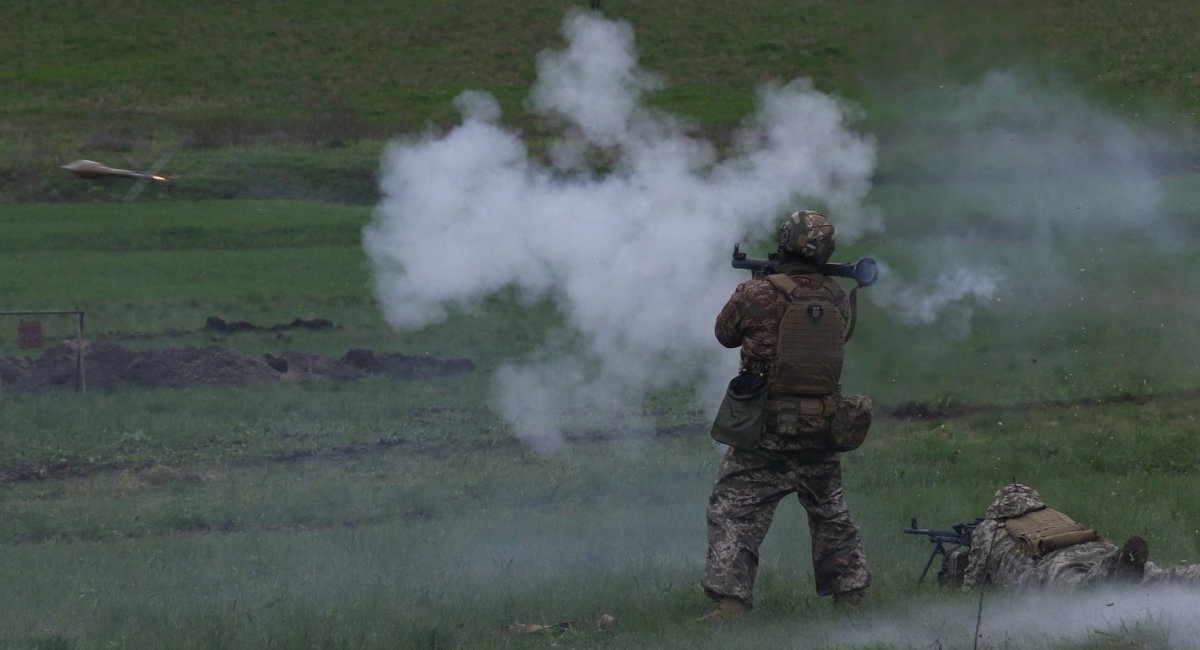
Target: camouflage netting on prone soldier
pixel 109 365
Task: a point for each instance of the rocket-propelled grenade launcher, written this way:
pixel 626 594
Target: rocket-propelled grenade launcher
pixel 865 271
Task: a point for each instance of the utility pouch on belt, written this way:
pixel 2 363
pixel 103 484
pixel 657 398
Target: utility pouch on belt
pixel 802 421
pixel 850 424
pixel 1045 530
pixel 743 414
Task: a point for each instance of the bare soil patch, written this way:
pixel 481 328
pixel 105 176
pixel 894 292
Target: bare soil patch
pixel 110 365
pixel 219 326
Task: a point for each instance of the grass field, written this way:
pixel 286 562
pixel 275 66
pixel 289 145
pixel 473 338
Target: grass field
pixel 1050 148
pixel 384 514
pixel 298 101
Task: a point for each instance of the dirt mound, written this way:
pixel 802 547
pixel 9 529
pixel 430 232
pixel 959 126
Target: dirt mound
pixel 402 366
pixel 218 324
pixel 220 327
pixel 12 370
pixel 108 365
pixel 302 366
pixel 182 367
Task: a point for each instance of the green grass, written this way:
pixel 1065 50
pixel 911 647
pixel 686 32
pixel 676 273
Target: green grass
pixel 166 267
pixel 389 514
pixel 445 543
pixel 383 514
pixel 297 102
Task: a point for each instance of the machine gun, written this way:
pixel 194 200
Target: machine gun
pixel 865 271
pixel 958 537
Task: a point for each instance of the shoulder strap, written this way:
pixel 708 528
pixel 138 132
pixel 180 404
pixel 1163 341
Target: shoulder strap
pixel 783 283
pixel 853 313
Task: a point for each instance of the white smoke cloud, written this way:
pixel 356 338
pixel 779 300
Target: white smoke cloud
pixel 1048 175
pixel 1151 617
pixel 963 287
pixel 635 258
pixel 1077 169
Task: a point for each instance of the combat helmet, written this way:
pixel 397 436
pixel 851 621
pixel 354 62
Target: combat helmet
pixel 808 234
pixel 1013 501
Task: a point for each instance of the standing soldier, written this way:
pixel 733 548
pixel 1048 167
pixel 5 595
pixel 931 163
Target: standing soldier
pixel 791 327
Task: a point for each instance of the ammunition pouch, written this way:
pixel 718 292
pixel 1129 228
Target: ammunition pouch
pixel 828 423
pixel 802 420
pixel 743 414
pixel 954 568
pixel 851 421
pixel 792 407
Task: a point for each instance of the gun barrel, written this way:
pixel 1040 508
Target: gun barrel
pixel 960 535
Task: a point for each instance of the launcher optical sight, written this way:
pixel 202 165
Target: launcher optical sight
pixel 865 271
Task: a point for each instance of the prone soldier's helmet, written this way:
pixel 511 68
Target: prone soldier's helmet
pixel 809 234
pixel 1013 501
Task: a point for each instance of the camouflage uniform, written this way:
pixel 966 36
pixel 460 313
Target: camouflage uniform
pixel 750 483
pixel 1183 574
pixel 997 559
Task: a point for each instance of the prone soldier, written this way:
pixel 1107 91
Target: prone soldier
pixel 1022 543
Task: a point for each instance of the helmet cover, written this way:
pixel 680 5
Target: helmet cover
pixel 809 234
pixel 1013 501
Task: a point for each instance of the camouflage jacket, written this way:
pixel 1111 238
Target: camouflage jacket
pixel 995 557
pixel 751 318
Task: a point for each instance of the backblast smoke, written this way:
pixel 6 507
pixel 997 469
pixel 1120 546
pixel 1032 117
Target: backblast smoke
pixel 1057 183
pixel 636 257
pixel 1159 617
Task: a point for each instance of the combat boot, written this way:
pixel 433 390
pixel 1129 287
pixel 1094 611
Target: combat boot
pixel 1131 559
pixel 849 601
pixel 726 609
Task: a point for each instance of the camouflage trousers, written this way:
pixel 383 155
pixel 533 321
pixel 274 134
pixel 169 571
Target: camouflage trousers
pixel 1094 563
pixel 749 486
pixel 997 560
pixel 1184 574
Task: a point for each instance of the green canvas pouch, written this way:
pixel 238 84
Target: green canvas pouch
pixel 743 414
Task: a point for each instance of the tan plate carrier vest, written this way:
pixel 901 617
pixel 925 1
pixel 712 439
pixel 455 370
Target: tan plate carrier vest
pixel 811 340
pixel 1042 531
